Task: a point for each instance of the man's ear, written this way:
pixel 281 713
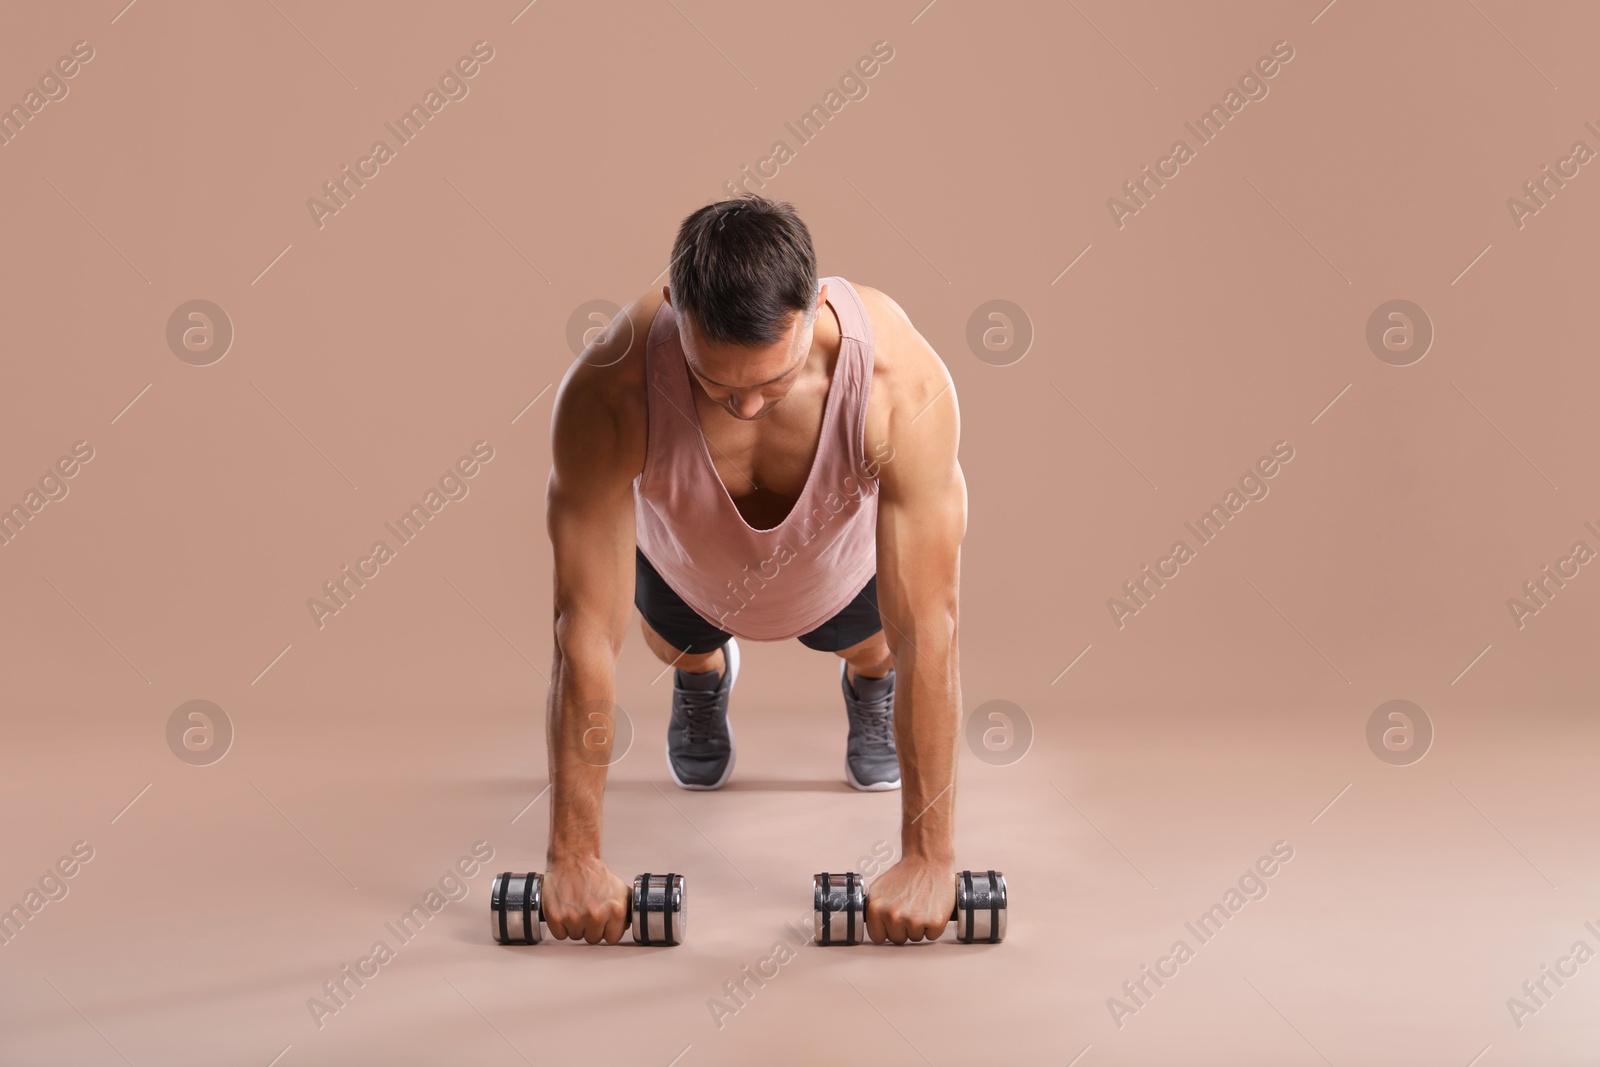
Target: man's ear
pixel 666 293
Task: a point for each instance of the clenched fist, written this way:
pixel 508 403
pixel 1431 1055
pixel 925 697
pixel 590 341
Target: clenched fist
pixel 911 901
pixel 583 899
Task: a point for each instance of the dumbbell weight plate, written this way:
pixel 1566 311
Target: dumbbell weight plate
pixel 980 915
pixel 515 912
pixel 839 915
pixel 659 909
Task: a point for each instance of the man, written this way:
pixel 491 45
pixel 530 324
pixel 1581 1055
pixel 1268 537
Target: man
pixel 756 452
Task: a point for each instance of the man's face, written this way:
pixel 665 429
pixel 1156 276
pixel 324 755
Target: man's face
pixel 748 383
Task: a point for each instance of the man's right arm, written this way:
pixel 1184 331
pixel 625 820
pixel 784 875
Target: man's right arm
pixel 597 446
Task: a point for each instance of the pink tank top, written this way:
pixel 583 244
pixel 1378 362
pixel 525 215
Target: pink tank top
pixel 765 585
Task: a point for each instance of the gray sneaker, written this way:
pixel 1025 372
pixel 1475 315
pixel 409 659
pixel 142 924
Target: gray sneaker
pixel 699 740
pixel 870 760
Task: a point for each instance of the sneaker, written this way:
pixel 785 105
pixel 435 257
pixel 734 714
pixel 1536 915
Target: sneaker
pixel 870 760
pixel 699 740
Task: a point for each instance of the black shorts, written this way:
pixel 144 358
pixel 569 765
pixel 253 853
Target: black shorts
pixel 682 627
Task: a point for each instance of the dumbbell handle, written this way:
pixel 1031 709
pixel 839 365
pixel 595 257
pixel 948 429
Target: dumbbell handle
pixel 955 909
pixel 627 901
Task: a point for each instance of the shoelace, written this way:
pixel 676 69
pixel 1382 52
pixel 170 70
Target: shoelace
pixel 699 708
pixel 874 719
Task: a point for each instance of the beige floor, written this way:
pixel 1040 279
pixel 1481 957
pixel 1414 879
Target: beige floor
pixel 219 903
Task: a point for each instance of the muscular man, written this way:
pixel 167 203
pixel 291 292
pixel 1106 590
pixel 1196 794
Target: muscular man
pixel 756 452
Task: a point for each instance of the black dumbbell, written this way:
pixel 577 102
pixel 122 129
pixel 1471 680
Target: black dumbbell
pixel 656 909
pixel 841 908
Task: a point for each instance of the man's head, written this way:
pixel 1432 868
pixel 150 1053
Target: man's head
pixel 744 287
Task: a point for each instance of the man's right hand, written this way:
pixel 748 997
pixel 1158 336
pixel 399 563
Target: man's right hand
pixel 583 899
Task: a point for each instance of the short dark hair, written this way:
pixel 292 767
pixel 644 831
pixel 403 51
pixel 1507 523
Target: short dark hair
pixel 741 268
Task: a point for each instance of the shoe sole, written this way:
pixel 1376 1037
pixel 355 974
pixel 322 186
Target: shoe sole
pixel 849 775
pixel 875 787
pixel 731 654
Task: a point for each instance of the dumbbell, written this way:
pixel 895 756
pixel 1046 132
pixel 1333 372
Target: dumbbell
pixel 841 908
pixel 656 909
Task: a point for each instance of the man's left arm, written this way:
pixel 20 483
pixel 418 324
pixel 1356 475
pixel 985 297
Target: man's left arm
pixel 922 517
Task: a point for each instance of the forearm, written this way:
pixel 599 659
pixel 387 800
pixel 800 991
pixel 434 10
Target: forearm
pixel 926 721
pixel 579 733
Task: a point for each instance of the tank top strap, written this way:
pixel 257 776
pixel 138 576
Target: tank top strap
pixel 853 322
pixel 855 377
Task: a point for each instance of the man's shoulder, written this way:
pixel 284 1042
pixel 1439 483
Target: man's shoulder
pixel 601 406
pixel 882 308
pixel 609 371
pixel 906 370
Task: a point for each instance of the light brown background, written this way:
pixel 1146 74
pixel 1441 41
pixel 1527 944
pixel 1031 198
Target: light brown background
pixel 427 315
